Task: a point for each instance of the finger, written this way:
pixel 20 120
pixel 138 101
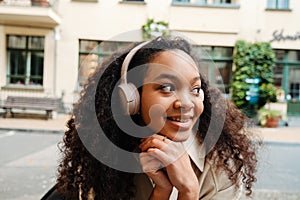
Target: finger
pixel 155 141
pixel 160 179
pixel 149 163
pixel 152 166
pixel 152 143
pixel 145 158
pixel 160 155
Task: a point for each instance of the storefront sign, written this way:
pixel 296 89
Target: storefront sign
pixel 278 36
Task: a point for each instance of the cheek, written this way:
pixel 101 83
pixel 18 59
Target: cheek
pixel 152 108
pixel 145 113
pixel 147 107
pixel 199 108
pixel 153 116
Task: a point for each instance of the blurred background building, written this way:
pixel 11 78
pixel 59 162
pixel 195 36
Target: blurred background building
pixel 49 47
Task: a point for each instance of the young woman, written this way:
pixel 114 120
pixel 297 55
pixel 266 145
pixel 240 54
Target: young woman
pixel 191 144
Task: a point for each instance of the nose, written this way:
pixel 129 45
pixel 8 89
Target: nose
pixel 183 102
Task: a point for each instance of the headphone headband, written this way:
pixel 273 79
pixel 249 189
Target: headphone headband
pixel 128 92
pixel 127 60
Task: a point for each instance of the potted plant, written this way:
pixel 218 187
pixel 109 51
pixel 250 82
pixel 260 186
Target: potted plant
pixel 42 3
pixel 269 118
pixel 154 28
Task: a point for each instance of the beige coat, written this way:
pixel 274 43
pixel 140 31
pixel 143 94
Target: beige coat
pixel 214 185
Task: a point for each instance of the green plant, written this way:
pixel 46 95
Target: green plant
pixel 268 93
pixel 265 114
pixel 154 28
pixel 253 61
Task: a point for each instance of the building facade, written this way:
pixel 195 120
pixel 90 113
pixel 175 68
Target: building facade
pixel 49 47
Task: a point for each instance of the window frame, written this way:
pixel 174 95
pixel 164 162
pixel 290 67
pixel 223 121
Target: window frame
pixel 207 3
pixel 277 6
pixel 212 57
pixel 86 1
pixel 287 64
pixel 133 0
pixel 213 60
pixel 28 54
pixel 98 52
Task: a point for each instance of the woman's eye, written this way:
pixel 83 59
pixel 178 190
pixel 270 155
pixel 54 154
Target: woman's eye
pixel 196 91
pixel 167 88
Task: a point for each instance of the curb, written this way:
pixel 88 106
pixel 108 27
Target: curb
pixel 281 142
pixel 33 130
pixel 265 194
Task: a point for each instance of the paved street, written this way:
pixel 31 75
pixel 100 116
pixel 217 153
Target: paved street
pixel 279 167
pixel 278 172
pixel 27 164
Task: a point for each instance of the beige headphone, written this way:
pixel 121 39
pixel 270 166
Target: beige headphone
pixel 130 98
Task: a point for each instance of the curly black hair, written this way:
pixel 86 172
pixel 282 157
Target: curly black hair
pixel 222 127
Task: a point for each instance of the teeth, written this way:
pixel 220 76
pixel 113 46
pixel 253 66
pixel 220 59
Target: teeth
pixel 179 120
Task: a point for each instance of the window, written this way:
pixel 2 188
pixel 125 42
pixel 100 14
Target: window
pixel 221 1
pixel 287 72
pixel 91 52
pixel 25 55
pixel 182 1
pixel 219 72
pixel 205 2
pixel 278 4
pixel 278 69
pixel 86 0
pixel 137 1
pixel 294 83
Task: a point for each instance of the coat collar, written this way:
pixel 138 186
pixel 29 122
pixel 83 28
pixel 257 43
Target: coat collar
pixel 195 150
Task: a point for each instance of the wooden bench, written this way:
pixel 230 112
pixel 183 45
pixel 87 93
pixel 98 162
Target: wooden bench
pixel 30 103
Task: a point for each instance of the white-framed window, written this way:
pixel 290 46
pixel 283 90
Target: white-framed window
pixel 206 2
pixel 278 4
pixel 25 60
pixel 222 1
pixel 86 1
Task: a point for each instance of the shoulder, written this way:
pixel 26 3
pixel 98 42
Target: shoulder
pixel 215 183
pixel 53 194
pixel 219 176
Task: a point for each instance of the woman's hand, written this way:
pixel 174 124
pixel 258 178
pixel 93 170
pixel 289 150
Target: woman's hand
pixel 176 161
pixel 153 168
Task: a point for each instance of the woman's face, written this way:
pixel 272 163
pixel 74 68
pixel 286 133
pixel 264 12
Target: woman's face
pixel 171 100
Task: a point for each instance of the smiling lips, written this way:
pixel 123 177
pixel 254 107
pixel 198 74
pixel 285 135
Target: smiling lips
pixel 177 119
pixel 180 122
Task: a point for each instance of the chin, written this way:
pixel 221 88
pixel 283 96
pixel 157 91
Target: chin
pixel 179 136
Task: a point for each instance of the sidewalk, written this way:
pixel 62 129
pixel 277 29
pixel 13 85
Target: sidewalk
pixel 56 125
pixel 281 134
pixel 290 133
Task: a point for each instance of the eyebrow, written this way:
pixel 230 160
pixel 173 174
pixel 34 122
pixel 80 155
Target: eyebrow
pixel 167 76
pixel 173 78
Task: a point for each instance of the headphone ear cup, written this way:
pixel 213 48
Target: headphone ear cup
pixel 130 98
